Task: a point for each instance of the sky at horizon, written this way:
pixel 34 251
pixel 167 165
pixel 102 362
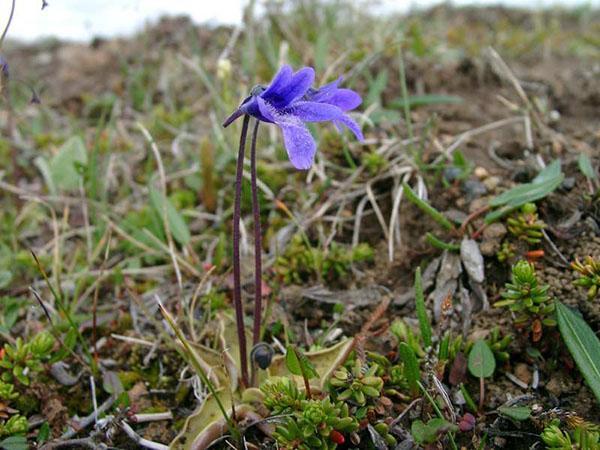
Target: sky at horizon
pixel 84 19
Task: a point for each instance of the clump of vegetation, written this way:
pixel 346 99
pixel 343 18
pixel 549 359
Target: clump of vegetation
pixel 19 365
pixel 584 436
pixel 499 344
pixel 282 396
pixel 357 383
pixel 301 262
pixel 526 225
pixel 528 300
pixel 24 359
pixel 316 424
pixel 589 275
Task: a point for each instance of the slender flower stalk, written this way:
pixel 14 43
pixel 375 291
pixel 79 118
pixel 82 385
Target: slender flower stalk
pixel 237 286
pixel 257 241
pixel 289 102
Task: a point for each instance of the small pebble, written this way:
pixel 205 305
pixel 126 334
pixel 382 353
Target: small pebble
pixel 491 183
pixel 568 183
pixel 481 172
pixel 474 189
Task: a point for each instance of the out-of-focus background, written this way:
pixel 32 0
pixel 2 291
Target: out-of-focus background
pixel 83 20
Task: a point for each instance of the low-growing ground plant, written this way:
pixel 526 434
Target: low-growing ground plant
pixel 589 275
pixel 528 300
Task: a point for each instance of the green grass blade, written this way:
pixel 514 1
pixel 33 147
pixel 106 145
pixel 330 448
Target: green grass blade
pixel 426 208
pixel 412 372
pixel 421 311
pixel 583 345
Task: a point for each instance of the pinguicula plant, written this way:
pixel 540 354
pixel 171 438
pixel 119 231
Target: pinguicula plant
pixel 289 102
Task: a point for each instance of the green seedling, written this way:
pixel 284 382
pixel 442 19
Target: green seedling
pixel 358 383
pixel 589 275
pixel 528 300
pixel 482 365
pixel 584 437
pixel 412 371
pixel 298 364
pixel 282 396
pixel 17 424
pixel 526 225
pixel 499 344
pixel 318 425
pixel 23 359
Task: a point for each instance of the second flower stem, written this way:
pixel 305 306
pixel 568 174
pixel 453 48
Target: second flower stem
pixel 257 241
pixel 237 286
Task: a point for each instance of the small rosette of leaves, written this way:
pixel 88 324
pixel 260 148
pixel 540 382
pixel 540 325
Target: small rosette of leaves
pixel 24 358
pixel 589 271
pixel 526 298
pixel 526 225
pixel 282 395
pixel 17 424
pixel 583 436
pixel 358 383
pixel 319 424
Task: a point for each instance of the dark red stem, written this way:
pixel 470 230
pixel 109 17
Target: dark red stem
pixel 237 285
pixel 257 241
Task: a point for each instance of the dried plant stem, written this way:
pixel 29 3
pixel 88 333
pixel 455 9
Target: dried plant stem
pixel 237 286
pixel 257 241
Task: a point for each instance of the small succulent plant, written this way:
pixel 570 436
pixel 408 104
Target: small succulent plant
pixel 357 383
pixel 24 358
pixel 581 437
pixel 282 396
pixel 527 299
pixel 589 271
pixel 17 424
pixel 318 425
pixel 526 225
pixel 384 430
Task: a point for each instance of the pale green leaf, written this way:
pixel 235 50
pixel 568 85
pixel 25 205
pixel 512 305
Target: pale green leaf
pixel 583 344
pixel 177 224
pixel 481 360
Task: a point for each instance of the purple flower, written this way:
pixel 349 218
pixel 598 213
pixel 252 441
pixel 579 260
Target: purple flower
pixel 289 101
pixel 4 67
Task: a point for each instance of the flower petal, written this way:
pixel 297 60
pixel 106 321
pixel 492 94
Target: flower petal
pixel 324 93
pixel 266 110
pixel 279 82
pixel 315 112
pixel 345 99
pixel 351 125
pixel 299 143
pixel 299 83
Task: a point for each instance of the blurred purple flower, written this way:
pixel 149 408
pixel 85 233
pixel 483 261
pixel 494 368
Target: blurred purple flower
pixel 4 67
pixel 289 101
